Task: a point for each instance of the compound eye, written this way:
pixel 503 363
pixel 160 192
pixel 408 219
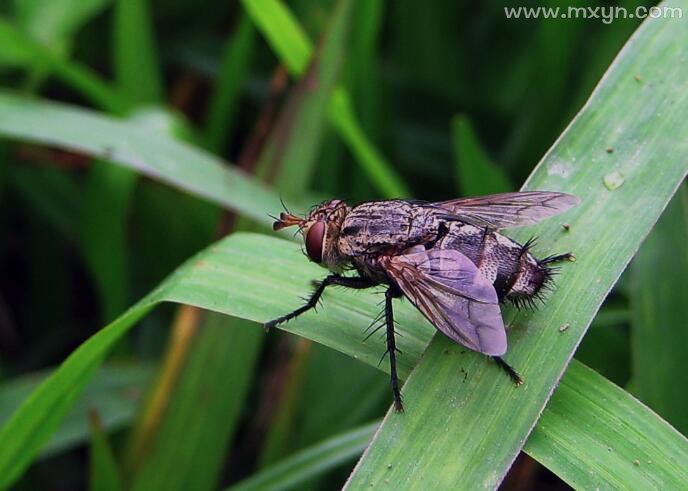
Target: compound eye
pixel 314 241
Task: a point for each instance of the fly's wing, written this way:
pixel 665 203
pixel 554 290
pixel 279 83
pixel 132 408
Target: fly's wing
pixel 509 209
pixel 453 295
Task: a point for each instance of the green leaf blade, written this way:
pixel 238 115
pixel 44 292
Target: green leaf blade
pixel 634 448
pixel 127 143
pixel 19 49
pixel 114 392
pixel 223 352
pixel 40 415
pixel 257 277
pixel 137 68
pixel 105 474
pixel 298 468
pixel 641 139
pixel 283 33
pixel 294 49
pixel 203 410
pixel 477 428
pixel 477 174
pixel 660 310
pixel 234 71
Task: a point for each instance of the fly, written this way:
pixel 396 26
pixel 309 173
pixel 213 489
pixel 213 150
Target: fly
pixel 447 258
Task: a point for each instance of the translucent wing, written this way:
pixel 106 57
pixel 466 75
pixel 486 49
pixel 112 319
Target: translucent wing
pixel 509 209
pixel 452 294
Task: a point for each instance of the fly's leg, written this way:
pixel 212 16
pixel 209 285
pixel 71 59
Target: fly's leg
pixel 515 377
pixel 357 283
pixel 391 293
pixel 557 258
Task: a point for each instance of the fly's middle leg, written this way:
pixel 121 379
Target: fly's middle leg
pixel 391 293
pixel 357 282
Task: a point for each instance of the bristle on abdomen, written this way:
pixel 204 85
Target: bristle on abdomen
pixel 515 273
pixel 532 281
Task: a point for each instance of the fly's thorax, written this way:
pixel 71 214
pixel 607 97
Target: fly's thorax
pixel 386 226
pixel 321 230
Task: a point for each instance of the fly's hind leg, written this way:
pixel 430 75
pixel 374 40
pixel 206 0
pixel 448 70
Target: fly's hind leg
pixel 557 258
pixel 515 377
pixel 357 282
pixel 391 293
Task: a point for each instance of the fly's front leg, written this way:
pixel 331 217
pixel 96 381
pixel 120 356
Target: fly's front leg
pixel 391 293
pixel 357 283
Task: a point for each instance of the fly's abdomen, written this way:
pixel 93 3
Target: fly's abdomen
pixel 512 269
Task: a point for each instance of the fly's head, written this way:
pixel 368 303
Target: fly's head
pixel 320 231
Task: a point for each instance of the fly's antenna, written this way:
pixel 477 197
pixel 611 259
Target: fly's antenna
pixel 286 220
pixel 284 205
pixel 272 216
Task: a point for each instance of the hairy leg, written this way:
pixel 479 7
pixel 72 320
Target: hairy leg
pixel 391 293
pixel 557 258
pixel 508 369
pixel 357 283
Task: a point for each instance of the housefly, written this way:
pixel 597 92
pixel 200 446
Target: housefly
pixel 447 258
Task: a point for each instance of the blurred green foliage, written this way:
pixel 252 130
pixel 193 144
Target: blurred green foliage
pixel 432 100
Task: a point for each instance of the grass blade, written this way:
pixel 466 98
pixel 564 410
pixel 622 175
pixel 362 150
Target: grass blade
pixel 306 464
pixel 328 375
pixel 256 278
pixel 107 193
pixel 114 392
pixel 105 474
pixel 343 118
pixel 223 351
pixel 39 416
pixel 475 172
pixel 294 49
pixel 233 73
pixel 204 406
pixel 659 335
pixel 127 143
pixel 282 32
pixel 282 274
pixel 606 345
pixel 136 64
pixel 594 435
pixel 55 22
pixel 294 142
pixel 457 432
pixel 19 49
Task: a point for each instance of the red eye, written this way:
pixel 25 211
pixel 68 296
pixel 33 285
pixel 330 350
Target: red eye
pixel 314 241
